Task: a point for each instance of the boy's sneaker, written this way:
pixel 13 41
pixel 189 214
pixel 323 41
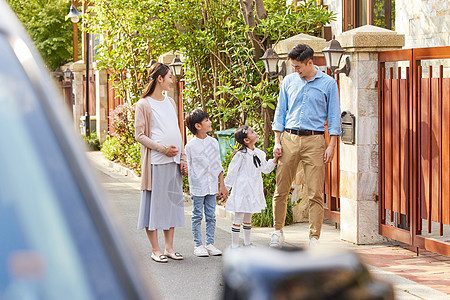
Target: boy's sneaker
pixel 277 239
pixel 201 251
pixel 251 245
pixel 212 250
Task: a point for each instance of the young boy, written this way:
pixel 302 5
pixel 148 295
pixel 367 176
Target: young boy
pixel 204 169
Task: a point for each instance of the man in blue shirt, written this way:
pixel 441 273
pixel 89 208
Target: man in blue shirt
pixel 308 98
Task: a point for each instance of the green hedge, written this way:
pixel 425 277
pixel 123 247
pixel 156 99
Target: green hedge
pixel 92 141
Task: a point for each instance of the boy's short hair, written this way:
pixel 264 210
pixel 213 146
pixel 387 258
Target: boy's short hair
pixel 301 53
pixel 194 117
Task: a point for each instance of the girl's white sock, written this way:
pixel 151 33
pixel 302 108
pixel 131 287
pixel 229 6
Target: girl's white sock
pixel 235 230
pixel 247 230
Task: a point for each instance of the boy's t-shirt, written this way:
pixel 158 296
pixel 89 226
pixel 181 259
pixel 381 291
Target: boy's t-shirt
pixel 204 166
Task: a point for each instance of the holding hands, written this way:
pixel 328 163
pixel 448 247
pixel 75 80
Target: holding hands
pixel 276 155
pixel 223 192
pixel 277 152
pixel 183 169
pixel 171 153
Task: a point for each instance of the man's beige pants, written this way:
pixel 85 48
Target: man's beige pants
pixel 309 150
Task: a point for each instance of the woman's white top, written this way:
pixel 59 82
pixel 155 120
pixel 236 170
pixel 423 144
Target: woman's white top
pixel 165 130
pixel 204 166
pixel 246 183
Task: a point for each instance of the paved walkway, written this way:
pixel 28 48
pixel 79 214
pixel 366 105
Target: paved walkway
pixel 428 269
pixel 426 276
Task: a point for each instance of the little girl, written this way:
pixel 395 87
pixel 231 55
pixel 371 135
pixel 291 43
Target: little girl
pixel 162 163
pixel 244 177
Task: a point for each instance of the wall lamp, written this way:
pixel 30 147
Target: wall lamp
pixel 333 53
pixel 67 74
pixel 270 59
pixel 177 66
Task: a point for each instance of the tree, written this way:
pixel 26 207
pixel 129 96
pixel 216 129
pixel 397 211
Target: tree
pixel 221 40
pixel 45 22
pixel 127 43
pixel 221 47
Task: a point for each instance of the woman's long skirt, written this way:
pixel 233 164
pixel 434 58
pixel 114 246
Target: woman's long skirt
pixel 163 206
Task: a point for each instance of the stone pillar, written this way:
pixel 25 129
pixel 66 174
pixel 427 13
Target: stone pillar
pixel 359 162
pixel 283 47
pixel 300 211
pixel 79 69
pixel 101 96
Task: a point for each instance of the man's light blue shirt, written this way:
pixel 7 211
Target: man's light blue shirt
pixel 307 104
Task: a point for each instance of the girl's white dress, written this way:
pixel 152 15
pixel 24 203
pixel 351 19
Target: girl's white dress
pixel 247 194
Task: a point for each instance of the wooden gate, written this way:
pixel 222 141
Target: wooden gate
pixel 332 170
pixel 414 142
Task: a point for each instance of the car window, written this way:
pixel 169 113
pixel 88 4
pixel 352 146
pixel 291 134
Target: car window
pixel 50 247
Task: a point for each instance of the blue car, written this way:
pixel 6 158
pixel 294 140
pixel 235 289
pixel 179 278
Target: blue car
pixel 57 240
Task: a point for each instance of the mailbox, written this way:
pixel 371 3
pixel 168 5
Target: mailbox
pixel 348 128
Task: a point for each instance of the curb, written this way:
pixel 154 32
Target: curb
pixel 187 198
pixel 128 172
pixel 121 169
pixel 223 213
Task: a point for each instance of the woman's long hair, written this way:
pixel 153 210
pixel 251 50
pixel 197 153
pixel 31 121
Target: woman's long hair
pixel 239 135
pixel 156 70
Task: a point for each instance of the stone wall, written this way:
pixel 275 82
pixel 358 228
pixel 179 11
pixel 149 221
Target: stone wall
pixel 424 23
pixel 336 6
pixel 101 95
pixel 79 69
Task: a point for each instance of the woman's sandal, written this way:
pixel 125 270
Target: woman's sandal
pixel 174 255
pixel 162 258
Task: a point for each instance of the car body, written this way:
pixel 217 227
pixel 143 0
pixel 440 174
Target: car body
pixel 57 237
pixel 293 273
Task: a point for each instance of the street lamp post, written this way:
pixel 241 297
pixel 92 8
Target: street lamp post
pixel 74 16
pixel 86 117
pixel 270 60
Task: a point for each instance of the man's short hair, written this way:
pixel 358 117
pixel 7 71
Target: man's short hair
pixel 194 117
pixel 301 53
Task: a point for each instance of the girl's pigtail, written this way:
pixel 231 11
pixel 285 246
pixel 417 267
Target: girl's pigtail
pixel 239 136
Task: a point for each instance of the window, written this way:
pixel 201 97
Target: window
pixel 368 12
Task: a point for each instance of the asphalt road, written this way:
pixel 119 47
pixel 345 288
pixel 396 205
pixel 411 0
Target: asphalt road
pixel 201 278
pixel 191 278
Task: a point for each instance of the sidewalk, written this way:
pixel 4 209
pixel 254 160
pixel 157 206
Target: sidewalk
pixel 426 276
